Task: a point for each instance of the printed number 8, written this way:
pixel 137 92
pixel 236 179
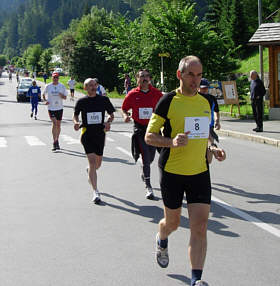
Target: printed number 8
pixel 196 126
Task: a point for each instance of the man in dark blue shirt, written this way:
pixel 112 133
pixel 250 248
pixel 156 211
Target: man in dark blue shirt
pixel 34 94
pixel 215 112
pixel 257 92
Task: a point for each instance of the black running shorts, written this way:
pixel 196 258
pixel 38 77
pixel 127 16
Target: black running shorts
pixel 56 114
pixel 196 187
pixel 93 143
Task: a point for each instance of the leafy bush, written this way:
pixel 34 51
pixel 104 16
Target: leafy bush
pixel 242 85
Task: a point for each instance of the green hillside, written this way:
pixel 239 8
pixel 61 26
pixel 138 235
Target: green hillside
pixel 253 63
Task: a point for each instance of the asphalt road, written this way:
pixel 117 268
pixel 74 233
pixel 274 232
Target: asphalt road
pixel 53 235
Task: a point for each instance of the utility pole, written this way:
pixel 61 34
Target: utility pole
pixel 260 46
pixel 162 55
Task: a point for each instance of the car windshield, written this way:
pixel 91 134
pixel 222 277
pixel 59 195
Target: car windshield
pixel 26 79
pixel 24 85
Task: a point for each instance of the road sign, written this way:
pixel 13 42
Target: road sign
pixel 165 55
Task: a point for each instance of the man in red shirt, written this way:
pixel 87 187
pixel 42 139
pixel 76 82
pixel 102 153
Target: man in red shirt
pixel 142 101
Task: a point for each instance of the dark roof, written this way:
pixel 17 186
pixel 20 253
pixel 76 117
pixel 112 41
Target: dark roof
pixel 266 35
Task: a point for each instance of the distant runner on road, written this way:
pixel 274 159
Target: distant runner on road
pixel 71 83
pixel 54 94
pixel 92 108
pixel 34 92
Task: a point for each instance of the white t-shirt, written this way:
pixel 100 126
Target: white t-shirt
pixel 71 83
pixel 52 91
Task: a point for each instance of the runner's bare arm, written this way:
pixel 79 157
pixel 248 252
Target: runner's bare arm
pixel 76 122
pixel 110 117
pixel 62 95
pixel 154 139
pixel 126 115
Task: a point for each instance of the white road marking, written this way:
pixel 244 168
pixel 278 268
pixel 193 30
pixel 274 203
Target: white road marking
pixel 127 134
pixel 3 142
pixel 34 141
pixel 247 217
pixel 124 151
pixel 69 140
pixel 110 139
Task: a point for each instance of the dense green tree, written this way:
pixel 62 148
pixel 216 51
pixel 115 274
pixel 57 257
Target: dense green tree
pixel 32 57
pixel 78 48
pixel 45 59
pixel 125 45
pixel 3 60
pixel 175 29
pixel 168 26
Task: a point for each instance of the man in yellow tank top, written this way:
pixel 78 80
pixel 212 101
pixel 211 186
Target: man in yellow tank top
pixel 183 116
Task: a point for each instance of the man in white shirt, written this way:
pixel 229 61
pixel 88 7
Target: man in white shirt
pixel 71 83
pixel 55 93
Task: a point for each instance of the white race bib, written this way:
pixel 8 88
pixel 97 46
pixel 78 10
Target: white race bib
pixel 94 117
pixel 198 127
pixel 145 112
pixel 34 91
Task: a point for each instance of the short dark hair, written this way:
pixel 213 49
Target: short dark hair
pixel 141 70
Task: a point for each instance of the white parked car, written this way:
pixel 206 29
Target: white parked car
pixel 59 70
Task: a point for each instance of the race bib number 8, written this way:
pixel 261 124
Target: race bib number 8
pixel 198 127
pixel 145 112
pixel 94 118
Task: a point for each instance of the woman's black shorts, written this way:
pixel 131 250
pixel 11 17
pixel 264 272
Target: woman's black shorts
pixel 196 187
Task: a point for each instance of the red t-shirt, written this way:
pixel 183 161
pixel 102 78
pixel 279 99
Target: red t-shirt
pixel 141 103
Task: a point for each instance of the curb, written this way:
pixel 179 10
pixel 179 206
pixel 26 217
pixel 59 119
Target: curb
pixel 250 137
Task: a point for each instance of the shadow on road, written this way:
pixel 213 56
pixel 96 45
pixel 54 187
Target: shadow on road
pixel 267 217
pixel 155 213
pixel 117 160
pixel 179 277
pixel 71 152
pixel 152 212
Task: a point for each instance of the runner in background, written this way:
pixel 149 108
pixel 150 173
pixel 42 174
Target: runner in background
pixel 54 94
pixel 142 101
pixel 34 94
pixel 92 108
pixel 71 83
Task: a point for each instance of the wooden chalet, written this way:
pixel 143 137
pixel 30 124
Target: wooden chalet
pixel 268 35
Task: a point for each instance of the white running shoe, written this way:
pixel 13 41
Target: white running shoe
pixel 96 197
pixel 149 193
pixel 161 254
pixel 201 283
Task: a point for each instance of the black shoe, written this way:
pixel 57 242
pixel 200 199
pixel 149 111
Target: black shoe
pixel 259 130
pixel 255 129
pixel 35 117
pixel 31 115
pixel 54 147
pixel 57 146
